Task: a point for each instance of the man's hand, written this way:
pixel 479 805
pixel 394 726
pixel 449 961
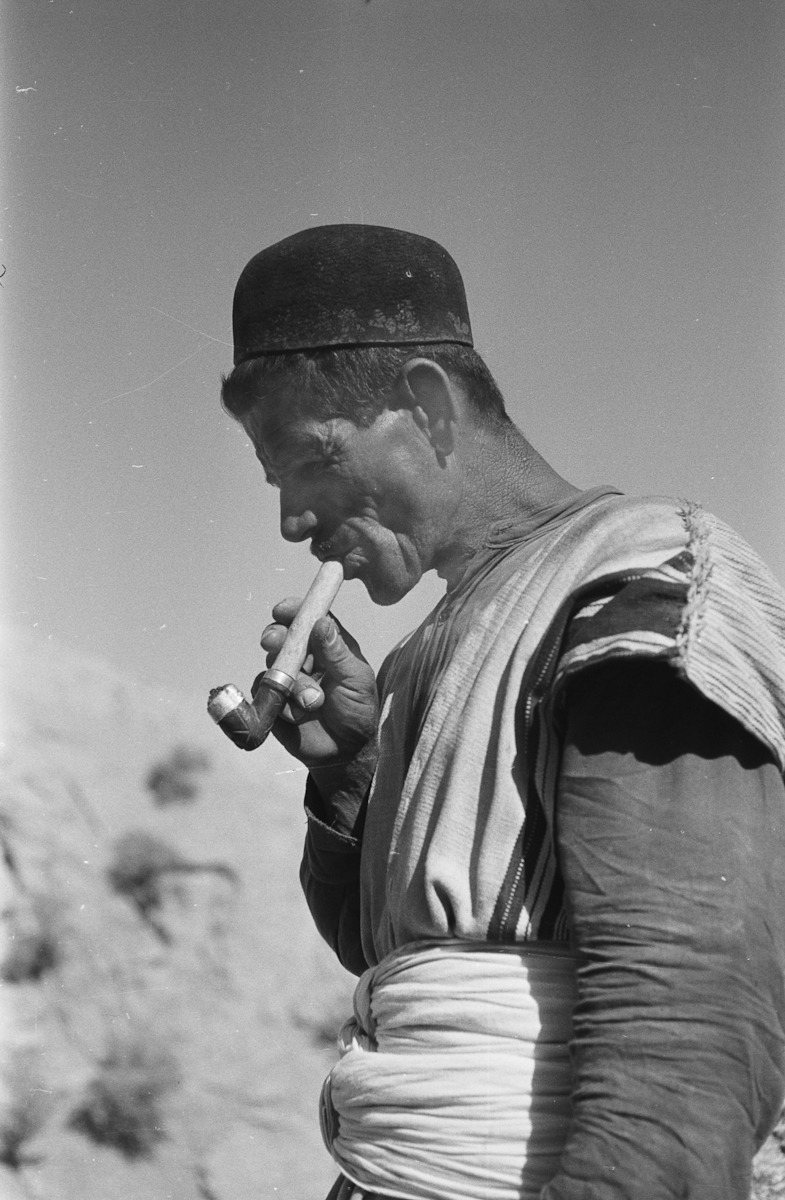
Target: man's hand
pixel 333 714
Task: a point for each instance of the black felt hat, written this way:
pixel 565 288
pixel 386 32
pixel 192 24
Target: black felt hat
pixel 348 285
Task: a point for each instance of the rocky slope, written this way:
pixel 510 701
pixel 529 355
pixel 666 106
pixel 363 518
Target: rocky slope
pixel 167 1011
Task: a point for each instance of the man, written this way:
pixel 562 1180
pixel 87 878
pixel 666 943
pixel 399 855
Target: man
pixel 551 839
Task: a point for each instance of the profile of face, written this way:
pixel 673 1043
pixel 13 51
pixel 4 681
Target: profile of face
pixel 361 495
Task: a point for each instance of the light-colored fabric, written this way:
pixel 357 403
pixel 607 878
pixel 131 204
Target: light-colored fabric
pixel 455 1079
pixel 732 641
pixel 452 816
pixel 449 798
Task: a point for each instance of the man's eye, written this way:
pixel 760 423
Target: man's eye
pixel 314 466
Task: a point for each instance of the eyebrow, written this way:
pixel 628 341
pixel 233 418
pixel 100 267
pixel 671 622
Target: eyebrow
pixel 291 442
pixel 294 441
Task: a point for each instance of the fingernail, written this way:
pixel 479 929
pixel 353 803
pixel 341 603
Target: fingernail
pixel 308 697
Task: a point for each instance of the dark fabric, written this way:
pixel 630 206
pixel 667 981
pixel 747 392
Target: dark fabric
pixel 341 1189
pixel 671 834
pixel 650 603
pixel 330 879
pixel 348 285
pixel 344 1189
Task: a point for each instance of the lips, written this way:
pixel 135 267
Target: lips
pixel 332 549
pixel 352 568
pixel 347 555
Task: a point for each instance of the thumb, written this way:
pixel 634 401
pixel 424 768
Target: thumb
pixel 331 652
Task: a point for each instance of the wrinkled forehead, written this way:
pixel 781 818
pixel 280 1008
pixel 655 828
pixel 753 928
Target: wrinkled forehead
pixel 271 424
pixel 280 433
pixel 274 398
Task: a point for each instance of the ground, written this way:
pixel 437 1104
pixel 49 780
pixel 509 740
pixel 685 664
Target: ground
pixel 168 1010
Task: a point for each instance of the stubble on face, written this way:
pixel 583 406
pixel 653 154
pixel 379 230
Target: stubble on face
pixel 363 486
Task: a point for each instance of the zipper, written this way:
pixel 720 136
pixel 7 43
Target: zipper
pixel 560 624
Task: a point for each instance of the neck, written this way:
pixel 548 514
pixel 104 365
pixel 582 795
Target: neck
pixel 497 476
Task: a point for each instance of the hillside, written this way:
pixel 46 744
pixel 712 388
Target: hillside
pixel 168 1012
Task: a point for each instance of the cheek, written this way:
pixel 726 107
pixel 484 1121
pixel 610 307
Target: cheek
pixel 398 508
pixel 354 496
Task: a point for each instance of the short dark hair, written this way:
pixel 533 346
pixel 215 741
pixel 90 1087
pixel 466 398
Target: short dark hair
pixel 353 382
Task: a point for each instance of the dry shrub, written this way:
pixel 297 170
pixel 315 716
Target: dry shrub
pixel 122 1104
pixel 174 779
pixel 25 1106
pixel 33 941
pixel 139 861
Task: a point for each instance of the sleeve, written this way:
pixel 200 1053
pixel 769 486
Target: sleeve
pixel 670 827
pixel 330 878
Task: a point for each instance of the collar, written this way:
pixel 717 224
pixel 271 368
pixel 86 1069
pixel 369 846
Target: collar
pixel 506 533
pixel 513 531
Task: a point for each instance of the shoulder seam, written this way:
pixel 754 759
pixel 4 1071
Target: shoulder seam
pixel 690 627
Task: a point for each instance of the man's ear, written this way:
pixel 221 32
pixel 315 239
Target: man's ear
pixel 430 395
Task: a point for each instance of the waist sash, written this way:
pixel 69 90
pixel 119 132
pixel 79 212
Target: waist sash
pixel 454 1080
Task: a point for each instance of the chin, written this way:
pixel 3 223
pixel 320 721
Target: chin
pixel 386 592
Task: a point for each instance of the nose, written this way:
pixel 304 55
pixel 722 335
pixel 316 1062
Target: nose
pixel 297 523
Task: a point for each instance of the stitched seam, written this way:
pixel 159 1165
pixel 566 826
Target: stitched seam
pixel 693 616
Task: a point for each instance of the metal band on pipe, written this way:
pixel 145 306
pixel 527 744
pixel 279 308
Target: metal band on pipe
pixel 278 680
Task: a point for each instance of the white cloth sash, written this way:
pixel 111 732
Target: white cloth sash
pixel 454 1080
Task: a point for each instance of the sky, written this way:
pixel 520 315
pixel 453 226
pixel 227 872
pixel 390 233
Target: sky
pixel 607 173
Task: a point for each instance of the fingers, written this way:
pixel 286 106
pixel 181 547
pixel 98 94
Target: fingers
pixel 332 646
pixel 286 610
pixel 284 613
pixel 333 655
pixel 335 658
pixel 272 640
pixel 274 635
pixel 334 649
pixel 306 696
pixel 333 709
pixel 305 699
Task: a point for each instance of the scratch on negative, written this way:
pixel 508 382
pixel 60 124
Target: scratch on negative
pixel 73 191
pixel 143 386
pixel 209 336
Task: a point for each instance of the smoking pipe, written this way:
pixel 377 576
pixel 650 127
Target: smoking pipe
pixel 248 724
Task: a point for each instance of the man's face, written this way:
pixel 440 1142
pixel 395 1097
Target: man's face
pixel 363 496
